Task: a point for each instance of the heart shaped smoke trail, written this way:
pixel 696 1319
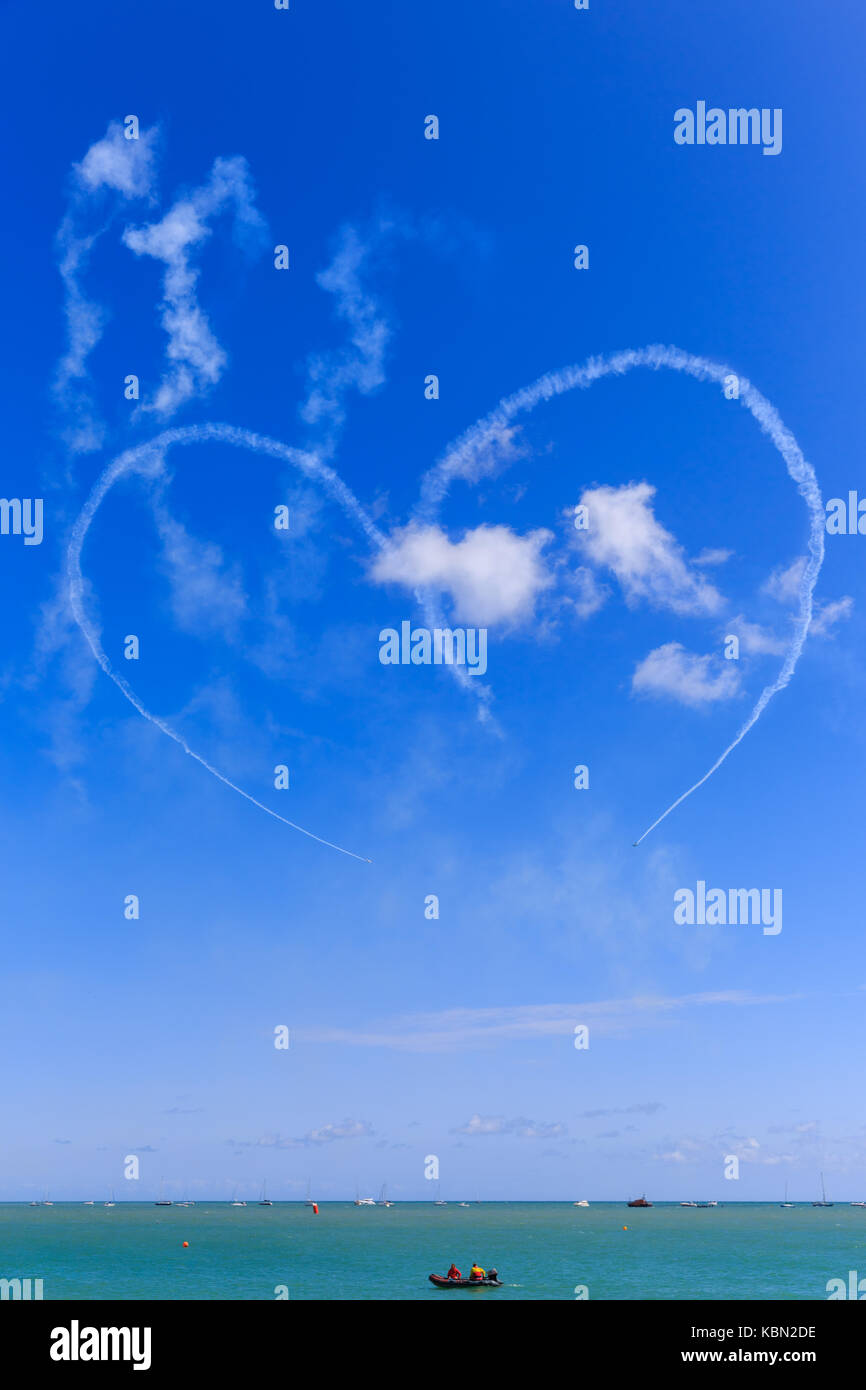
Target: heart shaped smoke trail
pixel 475 453
pixel 148 460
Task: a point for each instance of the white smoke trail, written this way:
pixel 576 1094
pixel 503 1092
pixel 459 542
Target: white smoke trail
pixel 114 172
pixel 475 453
pixel 148 460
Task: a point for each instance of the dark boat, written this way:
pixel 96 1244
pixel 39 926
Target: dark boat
pixel 443 1282
pixel 640 1202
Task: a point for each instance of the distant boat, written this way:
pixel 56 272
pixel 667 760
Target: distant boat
pixel 363 1201
pixel 383 1197
pixel 46 1202
pixel 786 1203
pixel 438 1202
pixel 705 1204
pixel 823 1202
pixel 110 1202
pixel 584 1203
pixel 90 1204
pixel 640 1202
pixel 34 1204
pixel 683 1204
pixel 264 1200
pixel 308 1200
pixel 858 1204
pixel 463 1204
pixel 162 1200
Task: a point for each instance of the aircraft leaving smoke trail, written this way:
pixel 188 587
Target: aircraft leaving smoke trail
pixel 475 453
pixel 148 460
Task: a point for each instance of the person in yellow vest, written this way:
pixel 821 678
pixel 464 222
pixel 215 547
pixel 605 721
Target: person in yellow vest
pixel 476 1273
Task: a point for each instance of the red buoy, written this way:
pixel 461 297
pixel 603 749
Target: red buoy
pixel 315 1208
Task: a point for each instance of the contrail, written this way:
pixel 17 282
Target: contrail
pixel 148 460
pixel 475 453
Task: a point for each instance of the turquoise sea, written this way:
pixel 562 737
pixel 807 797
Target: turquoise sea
pixel 543 1250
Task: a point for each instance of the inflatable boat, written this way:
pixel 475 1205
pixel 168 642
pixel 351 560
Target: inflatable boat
pixel 443 1282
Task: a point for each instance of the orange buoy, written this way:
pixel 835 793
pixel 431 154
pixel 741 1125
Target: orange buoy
pixel 625 1228
pixel 186 1245
pixel 315 1208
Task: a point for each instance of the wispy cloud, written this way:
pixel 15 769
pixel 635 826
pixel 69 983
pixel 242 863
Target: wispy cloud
pixel 113 172
pixel 325 1134
pixel 196 358
pixel 360 365
pixel 827 615
pixel 520 1128
pixel 207 593
pixel 784 586
pixel 463 1028
pixel 756 640
pixel 712 557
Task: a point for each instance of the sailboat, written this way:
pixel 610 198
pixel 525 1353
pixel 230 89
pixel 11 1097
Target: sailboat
pixel 162 1200
pixel 46 1201
pixel 110 1202
pixel 823 1202
pixel 235 1202
pixel 383 1197
pixel 264 1200
pixel 786 1203
pixel 438 1201
pixel 308 1200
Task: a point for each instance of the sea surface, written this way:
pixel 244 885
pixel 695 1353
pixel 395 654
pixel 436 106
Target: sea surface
pixel 543 1250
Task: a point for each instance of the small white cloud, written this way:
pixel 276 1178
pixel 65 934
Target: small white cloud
pixel 827 615
pixel 117 163
pixel 712 557
pixel 585 592
pixel 491 575
pixel 483 1124
pixel 784 582
pixel 521 1127
pixel 756 640
pixel 624 536
pixel 670 672
pixel 348 1129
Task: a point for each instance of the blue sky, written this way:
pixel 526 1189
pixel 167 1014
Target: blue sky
pixel 410 1036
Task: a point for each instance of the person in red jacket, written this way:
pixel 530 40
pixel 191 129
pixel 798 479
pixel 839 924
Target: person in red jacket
pixel 454 1272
